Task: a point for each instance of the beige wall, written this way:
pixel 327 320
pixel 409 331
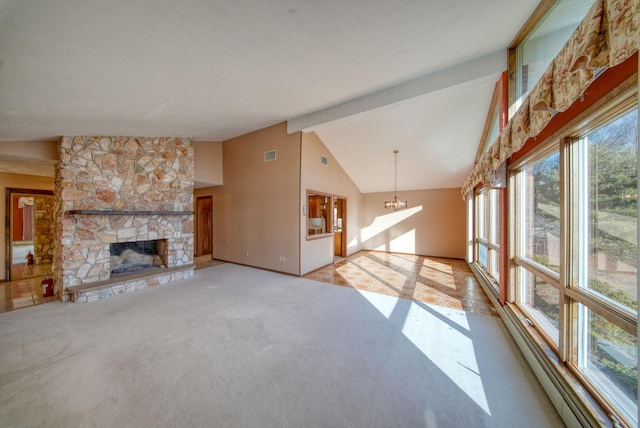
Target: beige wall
pixel 433 225
pixel 207 163
pixel 333 180
pixel 30 149
pixel 258 210
pixel 255 212
pixel 22 182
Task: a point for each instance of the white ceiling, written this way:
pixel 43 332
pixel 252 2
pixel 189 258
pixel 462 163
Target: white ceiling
pixel 367 76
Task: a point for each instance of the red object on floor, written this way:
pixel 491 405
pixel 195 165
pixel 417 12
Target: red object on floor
pixel 47 286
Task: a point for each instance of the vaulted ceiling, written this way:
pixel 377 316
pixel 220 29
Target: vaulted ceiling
pixel 367 76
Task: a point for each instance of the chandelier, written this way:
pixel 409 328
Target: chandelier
pixel 395 204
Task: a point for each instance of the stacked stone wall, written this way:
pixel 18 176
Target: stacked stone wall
pixel 44 226
pixel 144 186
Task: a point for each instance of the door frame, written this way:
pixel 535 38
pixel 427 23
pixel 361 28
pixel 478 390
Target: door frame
pixel 342 200
pixel 8 222
pixel 197 221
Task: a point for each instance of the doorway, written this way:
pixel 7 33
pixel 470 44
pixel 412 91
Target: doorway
pixel 204 226
pixel 29 227
pixel 29 233
pixel 339 227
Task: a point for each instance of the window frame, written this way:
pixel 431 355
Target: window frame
pixel 487 207
pixel 496 258
pixel 544 9
pixel 328 217
pixel 518 260
pixel 572 298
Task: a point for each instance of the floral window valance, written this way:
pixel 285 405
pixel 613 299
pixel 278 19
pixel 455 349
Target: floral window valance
pixel 607 36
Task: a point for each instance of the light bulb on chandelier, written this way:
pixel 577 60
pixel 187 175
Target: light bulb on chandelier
pixel 395 204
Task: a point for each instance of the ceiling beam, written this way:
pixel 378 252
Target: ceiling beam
pixel 492 64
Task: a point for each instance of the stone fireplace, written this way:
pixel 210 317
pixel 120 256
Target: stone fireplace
pixel 115 192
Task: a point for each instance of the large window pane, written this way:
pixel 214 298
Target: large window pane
pixel 488 232
pixel 493 216
pixel 541 212
pixel 483 255
pixel 608 357
pixel 480 215
pixel 541 300
pixel 494 264
pixel 608 233
pixel 539 48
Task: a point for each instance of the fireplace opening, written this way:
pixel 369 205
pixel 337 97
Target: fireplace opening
pixel 134 256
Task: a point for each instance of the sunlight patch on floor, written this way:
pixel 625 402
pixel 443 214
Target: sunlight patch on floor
pixel 432 280
pixel 442 336
pixel 384 304
pixel 439 272
pixel 436 329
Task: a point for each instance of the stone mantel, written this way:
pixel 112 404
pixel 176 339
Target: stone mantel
pixel 110 212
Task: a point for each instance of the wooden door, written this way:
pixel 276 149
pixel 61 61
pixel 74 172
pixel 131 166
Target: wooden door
pixel 204 225
pixel 340 227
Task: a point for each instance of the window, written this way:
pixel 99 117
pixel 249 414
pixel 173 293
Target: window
pixel 605 254
pixel 574 205
pixel 537 241
pixel 488 232
pixel 607 357
pixel 606 191
pixel 318 213
pixel 485 204
pixel 542 44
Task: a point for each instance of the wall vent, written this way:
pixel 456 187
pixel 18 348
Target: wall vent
pixel 324 160
pixel 270 155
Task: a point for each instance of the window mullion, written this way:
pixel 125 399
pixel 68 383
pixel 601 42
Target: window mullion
pixel 548 275
pixel 612 312
pixel 565 312
pixel 513 235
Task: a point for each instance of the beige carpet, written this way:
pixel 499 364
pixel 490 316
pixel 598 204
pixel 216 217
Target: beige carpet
pixel 241 347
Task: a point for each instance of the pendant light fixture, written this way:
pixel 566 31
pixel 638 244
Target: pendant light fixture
pixel 395 204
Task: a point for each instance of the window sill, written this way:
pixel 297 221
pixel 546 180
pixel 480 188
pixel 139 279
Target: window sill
pixel 558 380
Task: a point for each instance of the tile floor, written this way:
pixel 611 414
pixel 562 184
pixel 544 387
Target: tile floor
pixel 25 289
pixel 438 281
